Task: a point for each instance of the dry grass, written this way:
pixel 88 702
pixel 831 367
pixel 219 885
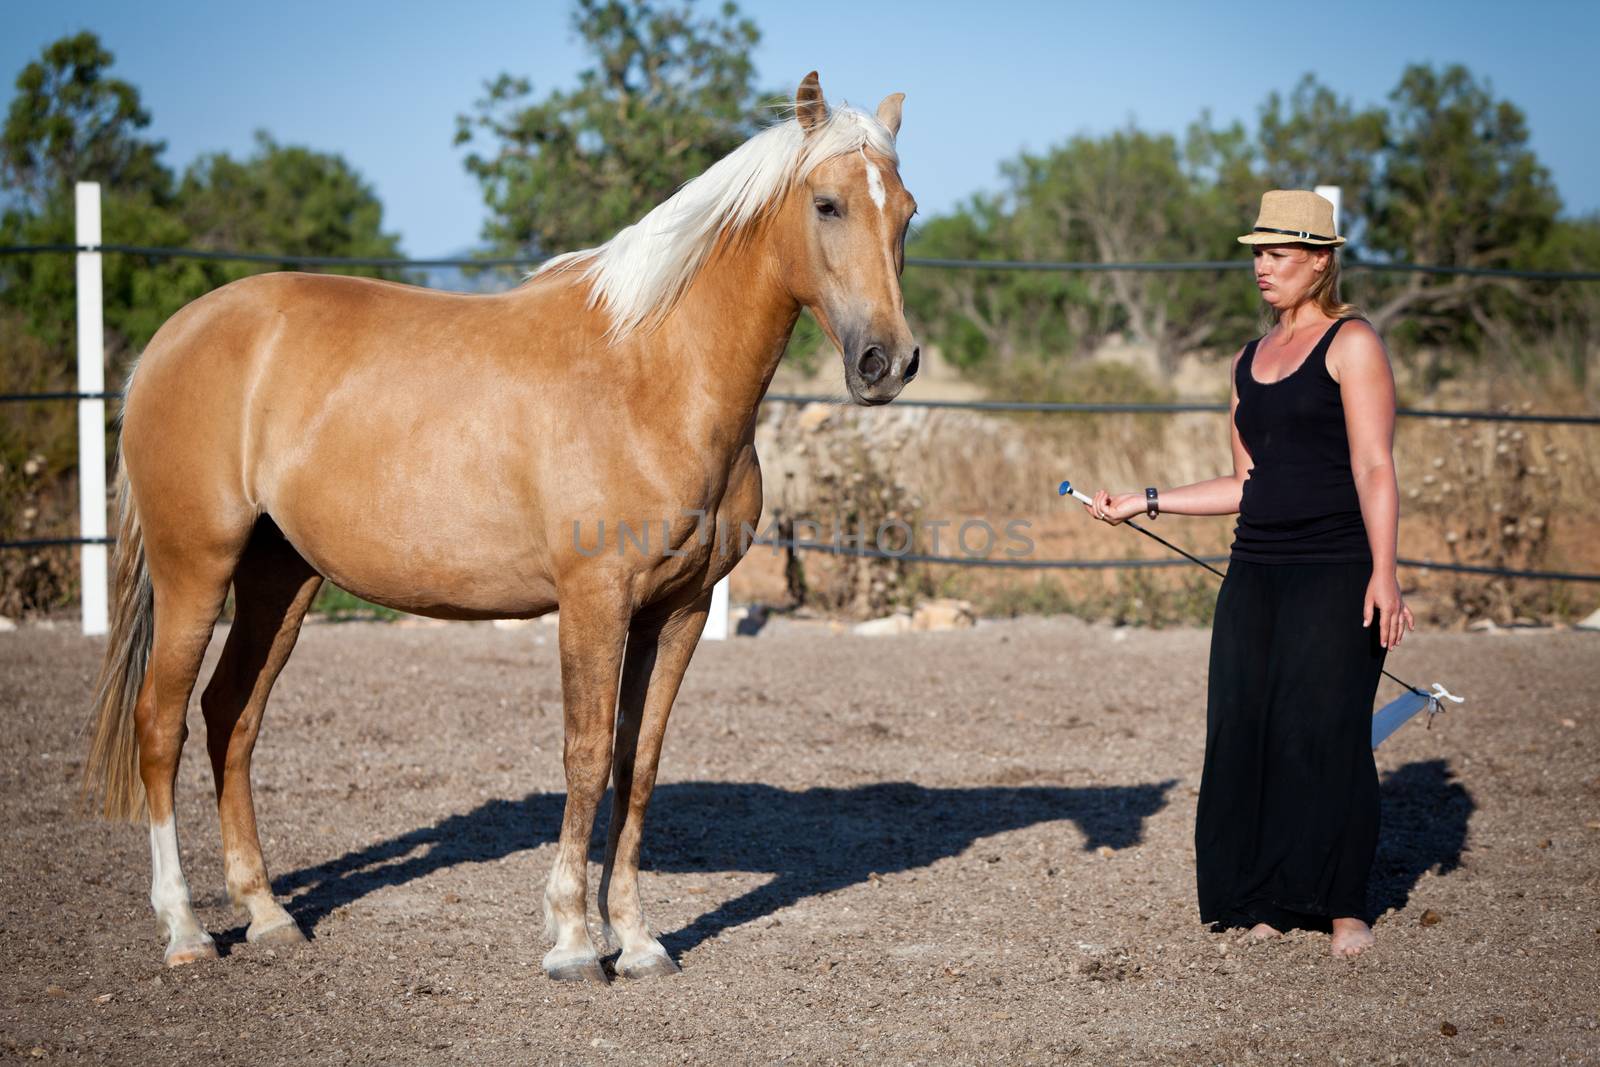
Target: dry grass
pixel 38 487
pixel 1524 496
pixel 1486 494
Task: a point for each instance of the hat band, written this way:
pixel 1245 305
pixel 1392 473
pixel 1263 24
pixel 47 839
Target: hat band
pixel 1302 234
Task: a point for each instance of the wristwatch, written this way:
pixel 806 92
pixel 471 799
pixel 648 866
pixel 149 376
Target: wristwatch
pixel 1152 504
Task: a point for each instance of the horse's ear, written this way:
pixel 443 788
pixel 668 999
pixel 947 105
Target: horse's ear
pixel 889 112
pixel 809 107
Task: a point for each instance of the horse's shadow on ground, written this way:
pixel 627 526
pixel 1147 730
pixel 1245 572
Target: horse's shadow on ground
pixel 815 840
pixel 819 840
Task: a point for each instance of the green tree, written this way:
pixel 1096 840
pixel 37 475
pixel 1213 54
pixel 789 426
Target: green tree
pixel 1541 326
pixel 1443 174
pixel 1314 138
pixel 1132 196
pixel 1002 324
pixel 140 292
pixel 1128 196
pixel 286 199
pixel 1574 333
pixel 1459 186
pixel 70 121
pixel 669 94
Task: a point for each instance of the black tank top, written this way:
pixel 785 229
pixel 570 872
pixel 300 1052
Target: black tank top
pixel 1299 503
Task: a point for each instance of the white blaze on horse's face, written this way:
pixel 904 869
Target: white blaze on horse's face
pixel 875 186
pixel 855 216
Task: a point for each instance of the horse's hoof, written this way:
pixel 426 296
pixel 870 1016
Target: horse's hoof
pixel 191 952
pixel 284 933
pixel 647 965
pixel 587 970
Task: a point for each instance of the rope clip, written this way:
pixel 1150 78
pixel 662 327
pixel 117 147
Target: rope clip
pixel 1435 698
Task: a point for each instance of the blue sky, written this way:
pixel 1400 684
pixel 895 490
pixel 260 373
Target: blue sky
pixel 381 83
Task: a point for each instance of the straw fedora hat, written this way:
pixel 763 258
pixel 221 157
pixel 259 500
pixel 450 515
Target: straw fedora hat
pixel 1293 216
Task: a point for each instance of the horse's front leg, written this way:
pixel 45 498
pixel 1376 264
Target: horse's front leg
pixel 594 630
pixel 658 654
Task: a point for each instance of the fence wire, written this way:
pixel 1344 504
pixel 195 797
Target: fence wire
pixel 1374 266
pixel 1017 407
pixel 838 548
pixel 935 263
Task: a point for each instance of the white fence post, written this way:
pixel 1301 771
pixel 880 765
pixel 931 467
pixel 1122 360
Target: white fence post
pixel 1332 193
pixel 717 621
pixel 91 413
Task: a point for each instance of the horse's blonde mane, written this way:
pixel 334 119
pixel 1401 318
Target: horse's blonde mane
pixel 639 274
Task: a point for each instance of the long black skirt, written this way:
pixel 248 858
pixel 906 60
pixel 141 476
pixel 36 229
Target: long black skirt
pixel 1288 815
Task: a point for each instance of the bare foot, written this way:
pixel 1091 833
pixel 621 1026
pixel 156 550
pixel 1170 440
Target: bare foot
pixel 1351 937
pixel 1262 932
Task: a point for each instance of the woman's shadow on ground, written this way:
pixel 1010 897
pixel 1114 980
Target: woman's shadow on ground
pixel 814 840
pixel 1426 813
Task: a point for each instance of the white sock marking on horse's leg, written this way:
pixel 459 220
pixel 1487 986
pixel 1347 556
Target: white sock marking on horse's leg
pixel 249 895
pixel 565 914
pixel 169 893
pixel 621 911
pixel 630 929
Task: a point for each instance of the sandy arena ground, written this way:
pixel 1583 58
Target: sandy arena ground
pixel 968 847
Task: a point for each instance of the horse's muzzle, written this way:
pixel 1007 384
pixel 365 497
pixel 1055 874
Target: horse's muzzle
pixel 876 376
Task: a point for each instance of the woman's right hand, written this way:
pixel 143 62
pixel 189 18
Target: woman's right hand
pixel 1115 509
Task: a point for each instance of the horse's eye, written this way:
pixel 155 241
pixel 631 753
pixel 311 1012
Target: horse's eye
pixel 827 208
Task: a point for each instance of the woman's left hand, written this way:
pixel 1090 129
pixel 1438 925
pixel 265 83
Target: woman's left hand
pixel 1394 618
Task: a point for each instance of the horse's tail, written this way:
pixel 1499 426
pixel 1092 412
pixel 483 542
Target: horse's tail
pixel 113 767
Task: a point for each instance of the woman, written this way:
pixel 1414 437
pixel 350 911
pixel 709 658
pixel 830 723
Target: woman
pixel 1288 814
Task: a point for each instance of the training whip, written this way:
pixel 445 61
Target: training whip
pixel 1390 717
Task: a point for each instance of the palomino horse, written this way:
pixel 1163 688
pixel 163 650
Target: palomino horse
pixel 440 453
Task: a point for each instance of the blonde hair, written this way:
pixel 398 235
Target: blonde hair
pixel 1324 292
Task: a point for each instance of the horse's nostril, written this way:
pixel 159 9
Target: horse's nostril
pixel 873 366
pixel 914 365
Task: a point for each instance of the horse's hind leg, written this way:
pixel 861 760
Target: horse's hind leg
pixel 658 655
pixel 188 594
pixel 273 587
